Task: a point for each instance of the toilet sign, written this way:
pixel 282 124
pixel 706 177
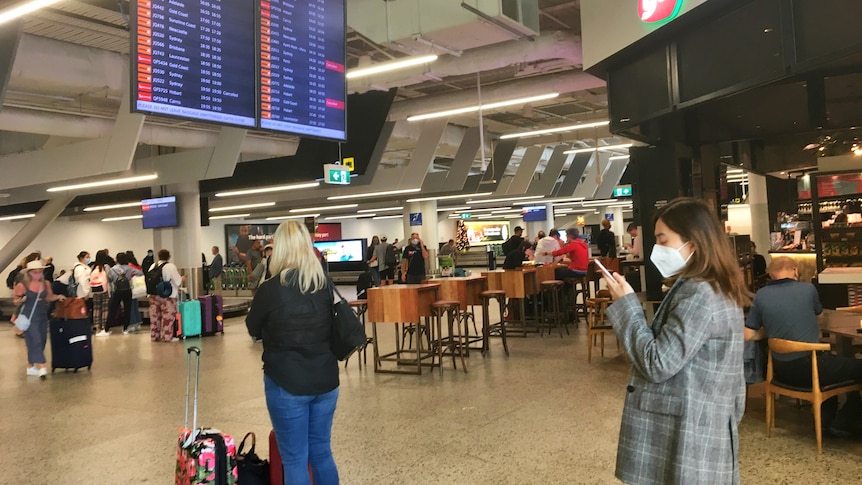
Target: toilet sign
pixel 415 218
pixel 652 11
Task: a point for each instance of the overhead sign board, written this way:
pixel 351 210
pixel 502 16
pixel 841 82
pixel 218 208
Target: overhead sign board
pixel 623 191
pixel 336 174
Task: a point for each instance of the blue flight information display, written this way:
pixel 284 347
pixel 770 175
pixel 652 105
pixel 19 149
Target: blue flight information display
pixel 195 59
pixel 302 57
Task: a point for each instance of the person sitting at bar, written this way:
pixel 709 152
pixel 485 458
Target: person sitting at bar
pixel 576 251
pixel 516 257
pixel 787 309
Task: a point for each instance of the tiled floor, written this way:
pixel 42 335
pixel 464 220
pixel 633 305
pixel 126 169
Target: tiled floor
pixel 542 415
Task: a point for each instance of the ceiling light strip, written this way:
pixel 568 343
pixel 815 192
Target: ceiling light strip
pixel 230 216
pixel 449 197
pixel 15 217
pixel 488 106
pixel 560 129
pixel 382 209
pixel 399 216
pixel 390 66
pixel 23 9
pixel 281 218
pixel 112 206
pixel 240 207
pixel 373 194
pixel 124 218
pixel 264 190
pixel 510 199
pixel 102 183
pixel 324 208
pixel 353 216
pixel 600 148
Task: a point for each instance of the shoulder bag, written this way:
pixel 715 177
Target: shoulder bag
pixel 22 322
pixel 348 334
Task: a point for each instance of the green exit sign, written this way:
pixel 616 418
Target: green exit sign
pixel 465 216
pixel 336 174
pixel 623 191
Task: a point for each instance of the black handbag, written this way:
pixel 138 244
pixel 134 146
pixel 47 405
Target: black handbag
pixel 348 334
pixel 251 470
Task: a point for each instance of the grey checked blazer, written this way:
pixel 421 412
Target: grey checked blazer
pixel 686 393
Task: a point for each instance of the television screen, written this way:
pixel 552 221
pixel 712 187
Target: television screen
pixel 344 251
pixel 534 214
pixel 240 237
pixel 161 212
pixel 486 232
pixel 195 60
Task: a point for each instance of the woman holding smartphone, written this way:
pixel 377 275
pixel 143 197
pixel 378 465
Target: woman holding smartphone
pixel 686 392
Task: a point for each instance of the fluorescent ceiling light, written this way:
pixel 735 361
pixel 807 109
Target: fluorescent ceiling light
pixel 555 130
pixel 512 211
pixel 389 66
pixel 449 197
pixel 382 209
pixel 490 216
pixel 510 199
pixel 490 209
pixel 112 206
pixel 354 216
pixel 19 216
pixel 279 218
pixel 280 188
pixel 551 201
pixel 238 207
pixel 124 218
pixel 618 157
pixel 592 203
pixel 229 216
pixel 488 106
pixel 602 148
pixel 373 194
pixel 399 216
pixel 445 209
pixel 325 208
pixel 102 183
pixel 23 9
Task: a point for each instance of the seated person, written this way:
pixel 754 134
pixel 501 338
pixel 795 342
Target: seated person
pixel 787 309
pixel 516 257
pixel 576 252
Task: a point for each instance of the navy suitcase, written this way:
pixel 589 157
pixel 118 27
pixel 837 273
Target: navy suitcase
pixel 71 345
pixel 212 315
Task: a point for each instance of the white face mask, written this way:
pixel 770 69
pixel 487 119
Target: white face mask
pixel 415 242
pixel 668 260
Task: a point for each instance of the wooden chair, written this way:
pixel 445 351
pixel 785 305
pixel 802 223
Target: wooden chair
pixel 816 394
pixel 597 325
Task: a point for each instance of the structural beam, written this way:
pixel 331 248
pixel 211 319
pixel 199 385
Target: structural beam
pixel 46 215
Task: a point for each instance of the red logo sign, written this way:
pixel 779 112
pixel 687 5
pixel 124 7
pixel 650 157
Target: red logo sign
pixel 651 11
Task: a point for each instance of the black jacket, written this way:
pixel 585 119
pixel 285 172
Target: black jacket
pixel 607 243
pixel 296 329
pixel 511 244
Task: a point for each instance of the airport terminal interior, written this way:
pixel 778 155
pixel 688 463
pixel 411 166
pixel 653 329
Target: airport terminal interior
pixel 199 126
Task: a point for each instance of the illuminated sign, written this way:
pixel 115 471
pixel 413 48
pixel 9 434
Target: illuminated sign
pixel 651 11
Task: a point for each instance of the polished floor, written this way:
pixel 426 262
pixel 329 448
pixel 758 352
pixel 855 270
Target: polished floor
pixel 542 415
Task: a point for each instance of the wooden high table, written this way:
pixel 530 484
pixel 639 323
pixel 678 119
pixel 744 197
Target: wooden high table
pixel 468 291
pixel 843 325
pixel 400 304
pixel 520 283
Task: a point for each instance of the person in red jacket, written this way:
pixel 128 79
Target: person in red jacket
pixel 578 253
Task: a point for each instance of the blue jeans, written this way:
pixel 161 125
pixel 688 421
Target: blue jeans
pixel 303 426
pixel 375 276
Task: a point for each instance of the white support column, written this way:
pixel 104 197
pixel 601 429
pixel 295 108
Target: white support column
pixel 427 231
pixel 184 241
pixel 46 215
pixel 759 208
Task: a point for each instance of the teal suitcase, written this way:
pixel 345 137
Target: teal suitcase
pixel 189 313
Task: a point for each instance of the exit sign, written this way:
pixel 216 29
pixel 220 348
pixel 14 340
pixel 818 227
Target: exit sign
pixel 623 191
pixel 336 174
pixel 465 216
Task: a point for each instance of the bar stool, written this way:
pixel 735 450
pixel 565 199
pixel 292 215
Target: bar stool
pixel 597 324
pixel 360 307
pixel 580 288
pixel 454 341
pixel 552 310
pixel 487 326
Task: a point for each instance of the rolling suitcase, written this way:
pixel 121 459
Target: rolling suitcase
pixel 71 345
pixel 276 469
pixel 188 318
pixel 205 456
pixel 212 315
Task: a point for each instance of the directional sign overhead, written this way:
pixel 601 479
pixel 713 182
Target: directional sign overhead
pixel 336 174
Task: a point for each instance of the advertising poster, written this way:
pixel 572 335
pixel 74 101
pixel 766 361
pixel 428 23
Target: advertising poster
pixel 240 237
pixel 328 231
pixel 480 233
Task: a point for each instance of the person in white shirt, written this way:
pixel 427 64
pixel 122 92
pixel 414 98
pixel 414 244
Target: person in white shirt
pixel 636 248
pixel 548 245
pixel 81 273
pixel 163 310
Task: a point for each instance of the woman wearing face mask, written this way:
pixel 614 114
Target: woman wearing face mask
pixel 686 392
pixel 32 291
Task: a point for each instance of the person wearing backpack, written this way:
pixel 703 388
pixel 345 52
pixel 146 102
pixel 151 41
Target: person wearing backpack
pixel 120 276
pixel 163 309
pixel 80 278
pixel 384 253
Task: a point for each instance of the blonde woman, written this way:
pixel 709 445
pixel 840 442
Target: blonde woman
pixel 292 313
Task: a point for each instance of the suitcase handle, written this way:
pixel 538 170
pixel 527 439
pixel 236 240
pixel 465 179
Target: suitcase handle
pixel 193 431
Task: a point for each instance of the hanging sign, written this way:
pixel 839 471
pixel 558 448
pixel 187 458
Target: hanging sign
pixel 652 11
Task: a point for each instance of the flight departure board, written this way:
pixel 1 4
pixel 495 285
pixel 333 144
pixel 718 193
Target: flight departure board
pixel 302 55
pixel 272 64
pixel 195 59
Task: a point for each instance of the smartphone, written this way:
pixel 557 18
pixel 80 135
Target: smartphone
pixel 604 270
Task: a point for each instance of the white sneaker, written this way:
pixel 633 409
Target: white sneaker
pixel 103 334
pixel 33 371
pixel 43 373
pixel 126 332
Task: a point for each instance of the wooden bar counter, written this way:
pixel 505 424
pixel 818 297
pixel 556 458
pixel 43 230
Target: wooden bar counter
pixel 400 304
pixel 466 289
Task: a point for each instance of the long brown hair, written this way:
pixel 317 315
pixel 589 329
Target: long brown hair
pixel 713 260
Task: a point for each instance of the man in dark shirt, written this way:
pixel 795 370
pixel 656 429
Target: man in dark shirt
pixel 514 241
pixel 216 270
pixel 787 309
pixel 413 260
pixel 607 240
pixel 516 258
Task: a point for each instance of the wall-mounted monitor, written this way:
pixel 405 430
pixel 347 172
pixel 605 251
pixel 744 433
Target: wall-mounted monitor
pixel 342 251
pixel 534 214
pixel 480 233
pixel 160 212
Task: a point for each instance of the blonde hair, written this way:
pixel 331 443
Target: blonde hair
pixel 606 223
pixel 781 264
pixel 293 257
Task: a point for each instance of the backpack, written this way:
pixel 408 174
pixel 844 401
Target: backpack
pixel 153 279
pixel 72 285
pixel 122 283
pixel 390 255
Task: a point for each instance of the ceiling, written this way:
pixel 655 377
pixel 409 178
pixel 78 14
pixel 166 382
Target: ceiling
pixel 102 25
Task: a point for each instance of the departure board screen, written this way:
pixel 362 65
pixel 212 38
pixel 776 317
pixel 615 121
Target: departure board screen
pixel 195 59
pixel 302 57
